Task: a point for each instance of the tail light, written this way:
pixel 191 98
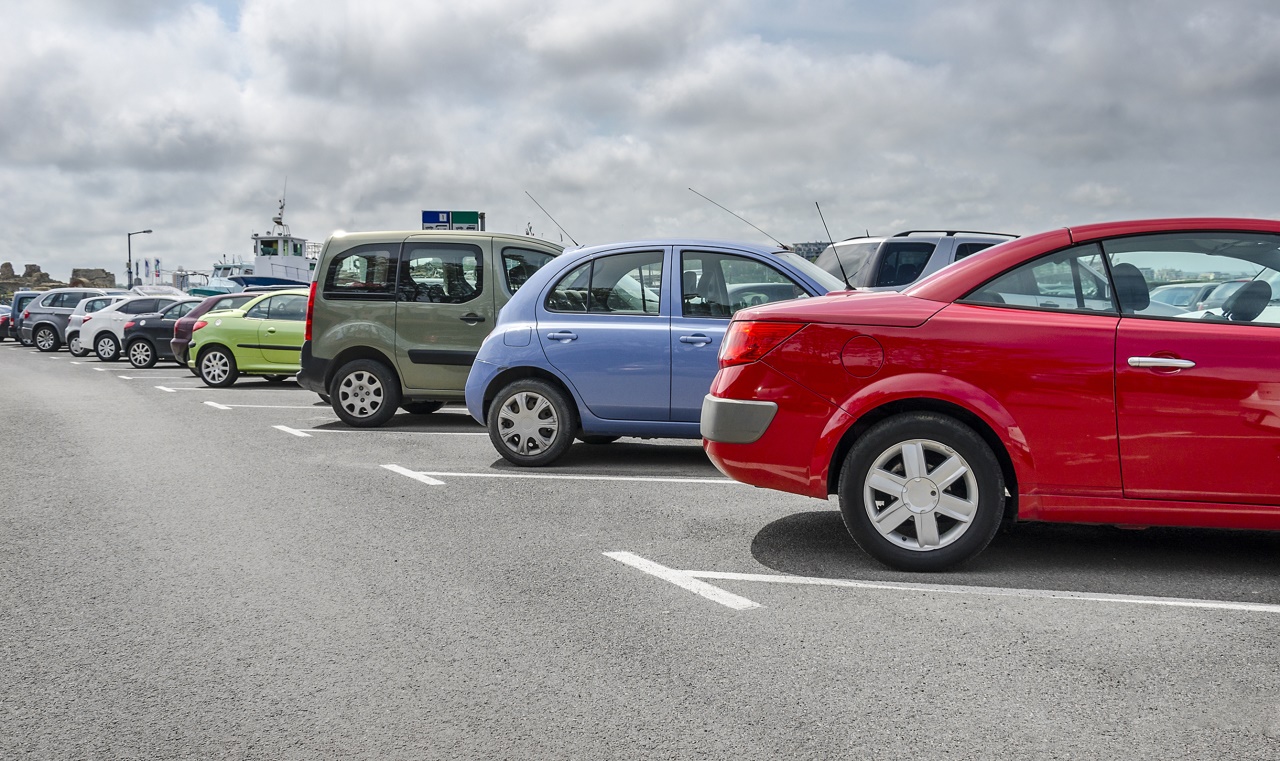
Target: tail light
pixel 747 342
pixel 199 324
pixel 129 324
pixel 311 310
pixel 26 313
pixel 85 319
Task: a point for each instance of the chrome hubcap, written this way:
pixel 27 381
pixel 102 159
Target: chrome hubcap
pixel 527 423
pixel 74 345
pixel 360 394
pixel 215 367
pixel 921 495
pixel 106 348
pixel 44 339
pixel 140 353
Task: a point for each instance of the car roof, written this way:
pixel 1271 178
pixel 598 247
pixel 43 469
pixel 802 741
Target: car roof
pixel 379 236
pixel 755 248
pixel 958 279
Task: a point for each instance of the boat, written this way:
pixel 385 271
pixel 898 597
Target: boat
pixel 279 259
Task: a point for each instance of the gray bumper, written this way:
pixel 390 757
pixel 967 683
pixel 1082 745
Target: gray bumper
pixel 734 421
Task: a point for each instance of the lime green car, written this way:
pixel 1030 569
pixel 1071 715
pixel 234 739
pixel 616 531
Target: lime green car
pixel 262 337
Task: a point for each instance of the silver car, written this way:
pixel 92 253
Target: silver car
pixel 44 321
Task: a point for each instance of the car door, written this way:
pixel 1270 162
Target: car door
pixel 712 287
pixel 128 310
pixel 279 323
pixel 445 306
pixel 160 328
pixel 1199 396
pixel 605 327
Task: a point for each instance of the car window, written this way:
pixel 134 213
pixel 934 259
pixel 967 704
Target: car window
pixel 141 306
pixel 178 310
pixel 94 305
pixel 288 307
pixel 847 259
pixel 615 284
pixel 441 273
pixel 969 249
pixel 518 264
pixel 260 310
pixel 903 261
pixel 1251 260
pixel 719 285
pixel 1072 280
pixel 364 272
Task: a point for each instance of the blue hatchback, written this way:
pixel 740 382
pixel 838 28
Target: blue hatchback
pixel 621 340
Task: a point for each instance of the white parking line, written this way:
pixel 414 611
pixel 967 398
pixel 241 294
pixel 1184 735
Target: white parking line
pixel 293 431
pixel 100 369
pixel 556 477
pixel 383 430
pixel 684 580
pixel 182 388
pixel 671 575
pixel 154 377
pixel 264 406
pixel 415 476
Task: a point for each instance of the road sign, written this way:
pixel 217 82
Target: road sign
pixel 451 220
pixel 435 220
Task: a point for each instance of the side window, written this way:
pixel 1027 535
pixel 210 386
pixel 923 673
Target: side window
pixel 903 262
pixel 570 294
pixel 95 305
pixel 441 273
pixel 291 307
pixel 969 249
pixel 1247 264
pixel 51 300
pixel 178 311
pixel 141 306
pixel 364 273
pixel 519 263
pixel 1072 280
pixel 718 285
pixel 260 311
pixel 617 284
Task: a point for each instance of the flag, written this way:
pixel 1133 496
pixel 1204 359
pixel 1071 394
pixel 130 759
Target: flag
pixel 146 268
pixel 157 269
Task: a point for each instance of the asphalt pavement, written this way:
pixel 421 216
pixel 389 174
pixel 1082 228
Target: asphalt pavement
pixel 188 572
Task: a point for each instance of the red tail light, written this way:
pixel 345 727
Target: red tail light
pixel 129 324
pixel 86 318
pixel 746 342
pixel 311 310
pixel 200 324
pixel 26 313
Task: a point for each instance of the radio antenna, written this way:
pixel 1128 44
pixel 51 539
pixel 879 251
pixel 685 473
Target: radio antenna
pixel 834 251
pixel 553 219
pixel 767 235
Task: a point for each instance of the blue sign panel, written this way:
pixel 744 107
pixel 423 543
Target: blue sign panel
pixel 435 220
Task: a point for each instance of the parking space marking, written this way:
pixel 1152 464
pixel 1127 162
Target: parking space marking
pixel 670 574
pixel 265 406
pixel 176 389
pixel 384 431
pixel 556 477
pixel 217 406
pixel 294 431
pixel 154 377
pixel 684 580
pixel 100 369
pixel 414 475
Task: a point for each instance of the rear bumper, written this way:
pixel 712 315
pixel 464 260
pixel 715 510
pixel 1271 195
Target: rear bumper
pixel 478 380
pixel 735 421
pixel 313 372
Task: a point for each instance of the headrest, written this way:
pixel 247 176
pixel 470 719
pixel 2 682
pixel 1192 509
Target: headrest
pixel 1131 288
pixel 1248 302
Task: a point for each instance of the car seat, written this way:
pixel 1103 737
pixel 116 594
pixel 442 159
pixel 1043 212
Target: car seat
pixel 1248 302
pixel 1131 288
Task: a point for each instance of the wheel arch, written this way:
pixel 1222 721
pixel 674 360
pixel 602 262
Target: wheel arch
pixel 977 423
pixel 512 374
pixel 351 354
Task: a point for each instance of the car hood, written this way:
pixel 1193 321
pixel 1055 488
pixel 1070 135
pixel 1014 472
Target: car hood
pixel 885 308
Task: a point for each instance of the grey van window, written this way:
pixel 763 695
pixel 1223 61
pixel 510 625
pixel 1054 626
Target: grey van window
pixel 365 273
pixel 442 273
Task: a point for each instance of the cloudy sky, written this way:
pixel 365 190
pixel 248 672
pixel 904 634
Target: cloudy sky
pixel 1018 116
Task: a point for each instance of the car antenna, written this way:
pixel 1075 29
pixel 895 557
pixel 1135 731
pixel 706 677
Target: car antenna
pixel 834 251
pixel 553 219
pixel 767 235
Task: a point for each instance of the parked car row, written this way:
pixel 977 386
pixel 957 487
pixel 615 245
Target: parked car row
pixel 941 384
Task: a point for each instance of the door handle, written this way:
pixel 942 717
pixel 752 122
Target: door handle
pixel 271 330
pixel 1168 362
pixel 697 339
pixel 471 318
pixel 563 336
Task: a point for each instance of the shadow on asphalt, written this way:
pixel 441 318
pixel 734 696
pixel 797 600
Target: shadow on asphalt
pixel 1161 562
pixel 627 457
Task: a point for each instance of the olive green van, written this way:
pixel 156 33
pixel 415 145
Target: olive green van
pixel 394 319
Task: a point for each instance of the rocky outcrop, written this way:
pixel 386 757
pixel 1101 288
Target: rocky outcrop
pixel 92 278
pixel 32 277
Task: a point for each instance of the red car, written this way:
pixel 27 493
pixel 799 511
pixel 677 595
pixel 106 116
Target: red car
pixel 1034 381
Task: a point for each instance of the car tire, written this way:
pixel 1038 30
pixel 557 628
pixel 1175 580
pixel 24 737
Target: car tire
pixel 106 347
pixel 46 338
pixel 421 408
pixel 324 398
pixel 365 393
pixel 276 378
pixel 217 367
pixel 598 440
pixel 921 492
pixel 142 354
pixel 532 423
pixel 74 348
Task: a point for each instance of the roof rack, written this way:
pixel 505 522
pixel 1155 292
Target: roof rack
pixel 858 237
pixel 907 233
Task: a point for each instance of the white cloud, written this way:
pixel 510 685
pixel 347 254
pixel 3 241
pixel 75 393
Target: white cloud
pixel 1019 116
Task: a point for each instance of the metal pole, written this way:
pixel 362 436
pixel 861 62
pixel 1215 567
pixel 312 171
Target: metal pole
pixel 129 264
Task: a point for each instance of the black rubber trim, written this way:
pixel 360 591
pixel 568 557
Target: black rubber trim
pixel 269 346
pixel 435 357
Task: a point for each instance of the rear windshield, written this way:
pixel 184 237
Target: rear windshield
pixel 813 272
pixel 903 262
pixel 845 260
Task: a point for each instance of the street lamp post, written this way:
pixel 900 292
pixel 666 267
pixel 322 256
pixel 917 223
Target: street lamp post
pixel 129 265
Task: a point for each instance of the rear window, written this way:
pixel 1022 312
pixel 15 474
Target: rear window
pixel 846 260
pixel 903 262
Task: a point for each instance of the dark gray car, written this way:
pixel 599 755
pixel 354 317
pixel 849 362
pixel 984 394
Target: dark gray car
pixel 20 301
pixel 44 321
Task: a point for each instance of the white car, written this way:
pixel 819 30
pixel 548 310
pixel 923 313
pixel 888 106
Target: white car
pixel 103 331
pixel 85 307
